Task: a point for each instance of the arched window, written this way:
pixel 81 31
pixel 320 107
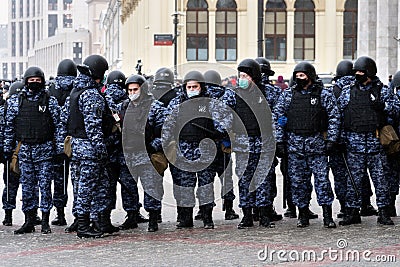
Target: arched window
pixel 197 30
pixel 350 30
pixel 304 30
pixel 275 30
pixel 226 30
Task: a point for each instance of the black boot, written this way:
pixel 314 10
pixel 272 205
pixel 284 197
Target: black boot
pixel 105 223
pixel 368 210
pixel 187 218
pixel 153 218
pixel 266 214
pixel 275 216
pixel 383 216
pixel 159 217
pixel 247 220
pixel 341 214
pixel 45 223
pixel 60 219
pixel 179 216
pixel 199 215
pixel 256 214
pixel 352 216
pixel 327 213
pixel 230 214
pixel 303 220
pixel 392 206
pixel 36 218
pixel 7 218
pixel 28 226
pixel 130 222
pixel 73 227
pixel 140 218
pixel 290 211
pixel 84 229
pixel 207 217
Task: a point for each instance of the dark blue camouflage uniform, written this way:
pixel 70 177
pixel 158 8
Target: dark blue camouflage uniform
pixel 185 179
pixel 306 153
pixel 364 151
pixel 89 155
pixel 35 160
pixel 253 153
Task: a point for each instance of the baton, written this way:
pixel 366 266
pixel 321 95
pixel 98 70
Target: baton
pixel 64 178
pixel 353 183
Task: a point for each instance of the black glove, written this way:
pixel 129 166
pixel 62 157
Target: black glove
pixel 59 158
pixel 376 103
pixel 330 148
pixel 280 150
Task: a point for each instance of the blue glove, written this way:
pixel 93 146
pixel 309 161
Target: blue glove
pixel 226 143
pixel 282 121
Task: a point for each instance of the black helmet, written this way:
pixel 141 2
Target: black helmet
pixel 194 75
pixel 34 72
pixel 212 77
pixel 66 67
pixel 15 87
pixel 396 80
pixel 164 75
pixel 94 66
pixel 251 67
pixel 366 65
pixel 116 77
pixel 307 68
pixel 265 66
pixel 344 68
pixel 135 78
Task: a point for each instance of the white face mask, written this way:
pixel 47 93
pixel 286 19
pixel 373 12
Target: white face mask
pixel 134 97
pixel 192 93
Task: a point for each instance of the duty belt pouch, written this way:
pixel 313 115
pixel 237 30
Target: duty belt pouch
pixel 159 162
pixel 389 139
pixel 67 146
pixel 14 166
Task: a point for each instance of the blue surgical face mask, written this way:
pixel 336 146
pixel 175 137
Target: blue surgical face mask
pixel 192 93
pixel 243 83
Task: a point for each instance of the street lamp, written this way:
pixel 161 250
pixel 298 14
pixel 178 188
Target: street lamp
pixel 176 15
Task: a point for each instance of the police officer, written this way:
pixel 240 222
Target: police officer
pixel 252 146
pixel 143 117
pixel 61 88
pixel 311 113
pixel 11 180
pixel 364 106
pixel 163 86
pixel 222 164
pixel 190 112
pixel 31 119
pixel 85 115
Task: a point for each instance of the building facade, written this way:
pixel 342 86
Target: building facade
pixel 227 31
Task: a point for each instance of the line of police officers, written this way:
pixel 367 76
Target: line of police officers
pixel 135 126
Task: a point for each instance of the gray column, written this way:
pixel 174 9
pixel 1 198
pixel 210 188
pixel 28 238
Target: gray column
pixel 367 16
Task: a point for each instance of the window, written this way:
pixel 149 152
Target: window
pixel 13 39
pixel 67 4
pixel 13 9
pixel 226 31
pixel 350 30
pixel 275 30
pixel 21 8
pixel 197 30
pixel 21 38
pixel 52 25
pixel 28 37
pixel 53 4
pixel 304 30
pixel 67 20
pixel 77 52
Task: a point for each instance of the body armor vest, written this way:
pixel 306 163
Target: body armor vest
pixel 306 114
pixel 359 115
pixel 76 124
pixel 34 123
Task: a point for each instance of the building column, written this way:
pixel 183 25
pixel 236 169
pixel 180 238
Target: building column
pixel 290 37
pixel 367 17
